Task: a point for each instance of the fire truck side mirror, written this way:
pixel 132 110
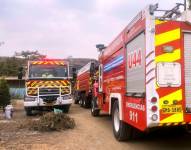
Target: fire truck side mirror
pixel 153 8
pixel 20 73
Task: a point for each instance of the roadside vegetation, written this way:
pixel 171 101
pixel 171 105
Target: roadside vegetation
pixel 4 93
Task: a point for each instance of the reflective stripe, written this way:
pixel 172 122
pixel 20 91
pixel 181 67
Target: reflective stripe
pixel 173 118
pixel 157 22
pixel 172 96
pixel 177 117
pixel 169 57
pixel 167 37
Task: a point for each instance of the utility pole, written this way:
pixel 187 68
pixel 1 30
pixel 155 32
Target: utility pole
pixel 185 5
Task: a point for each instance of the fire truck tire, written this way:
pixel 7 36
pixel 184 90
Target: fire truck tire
pixel 81 101
pixel 65 108
pixel 76 98
pixel 94 110
pixel 76 101
pixel 85 102
pixel 121 130
pixel 28 111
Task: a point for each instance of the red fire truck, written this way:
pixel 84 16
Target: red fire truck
pixel 84 84
pixel 145 73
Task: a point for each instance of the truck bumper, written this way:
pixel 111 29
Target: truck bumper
pixel 39 102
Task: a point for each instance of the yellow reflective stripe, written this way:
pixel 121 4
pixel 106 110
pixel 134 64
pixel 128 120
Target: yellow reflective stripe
pixel 177 95
pixel 56 63
pixel 157 87
pixel 169 57
pixel 178 117
pixel 173 118
pixel 41 82
pixel 33 84
pixel 58 83
pixel 28 83
pixel 34 62
pixel 64 83
pixel 157 22
pixel 167 37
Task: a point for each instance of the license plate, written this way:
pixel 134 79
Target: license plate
pixel 170 109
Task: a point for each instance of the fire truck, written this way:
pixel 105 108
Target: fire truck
pixel 86 77
pixel 145 73
pixel 47 85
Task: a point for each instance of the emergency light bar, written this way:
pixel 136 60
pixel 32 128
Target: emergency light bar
pixel 173 13
pixel 48 63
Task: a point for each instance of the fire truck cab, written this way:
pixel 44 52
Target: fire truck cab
pixel 145 74
pixel 47 85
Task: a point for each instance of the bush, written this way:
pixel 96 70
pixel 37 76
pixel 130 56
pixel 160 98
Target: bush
pixel 4 93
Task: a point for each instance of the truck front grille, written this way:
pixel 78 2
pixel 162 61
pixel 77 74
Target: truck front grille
pixel 49 91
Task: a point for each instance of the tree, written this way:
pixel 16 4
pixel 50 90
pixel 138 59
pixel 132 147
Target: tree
pixel 29 55
pixel 189 4
pixel 4 93
pixel 9 66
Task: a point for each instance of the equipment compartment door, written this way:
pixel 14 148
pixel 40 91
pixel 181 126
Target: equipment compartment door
pixel 187 65
pixel 136 65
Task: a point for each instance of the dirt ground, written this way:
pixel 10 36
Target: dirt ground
pixel 89 134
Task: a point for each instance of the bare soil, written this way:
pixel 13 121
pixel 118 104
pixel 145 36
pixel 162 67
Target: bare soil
pixel 89 134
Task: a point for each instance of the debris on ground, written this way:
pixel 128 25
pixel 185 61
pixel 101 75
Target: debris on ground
pixel 51 122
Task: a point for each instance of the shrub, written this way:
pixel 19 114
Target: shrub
pixel 4 93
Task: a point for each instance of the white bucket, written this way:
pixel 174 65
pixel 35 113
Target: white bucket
pixel 8 111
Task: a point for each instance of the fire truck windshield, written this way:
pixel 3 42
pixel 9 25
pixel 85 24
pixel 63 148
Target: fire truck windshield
pixel 48 71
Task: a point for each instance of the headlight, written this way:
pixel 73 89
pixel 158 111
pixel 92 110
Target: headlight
pixel 29 99
pixel 67 97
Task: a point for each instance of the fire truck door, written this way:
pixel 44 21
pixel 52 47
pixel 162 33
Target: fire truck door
pixel 187 65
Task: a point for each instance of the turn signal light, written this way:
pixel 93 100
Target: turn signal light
pixel 154 100
pixel 154 108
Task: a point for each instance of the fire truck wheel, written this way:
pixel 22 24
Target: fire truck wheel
pixel 76 101
pixel 81 100
pixel 94 111
pixel 121 130
pixel 28 111
pixel 85 102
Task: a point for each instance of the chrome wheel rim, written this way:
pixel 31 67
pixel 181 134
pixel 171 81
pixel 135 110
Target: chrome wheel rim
pixel 116 120
pixel 92 107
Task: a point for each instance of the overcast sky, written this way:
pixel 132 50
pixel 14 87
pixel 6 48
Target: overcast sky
pixel 62 28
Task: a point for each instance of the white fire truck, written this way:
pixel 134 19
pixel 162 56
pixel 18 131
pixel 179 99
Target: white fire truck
pixel 47 85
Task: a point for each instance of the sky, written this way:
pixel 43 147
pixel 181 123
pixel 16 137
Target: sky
pixel 64 28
